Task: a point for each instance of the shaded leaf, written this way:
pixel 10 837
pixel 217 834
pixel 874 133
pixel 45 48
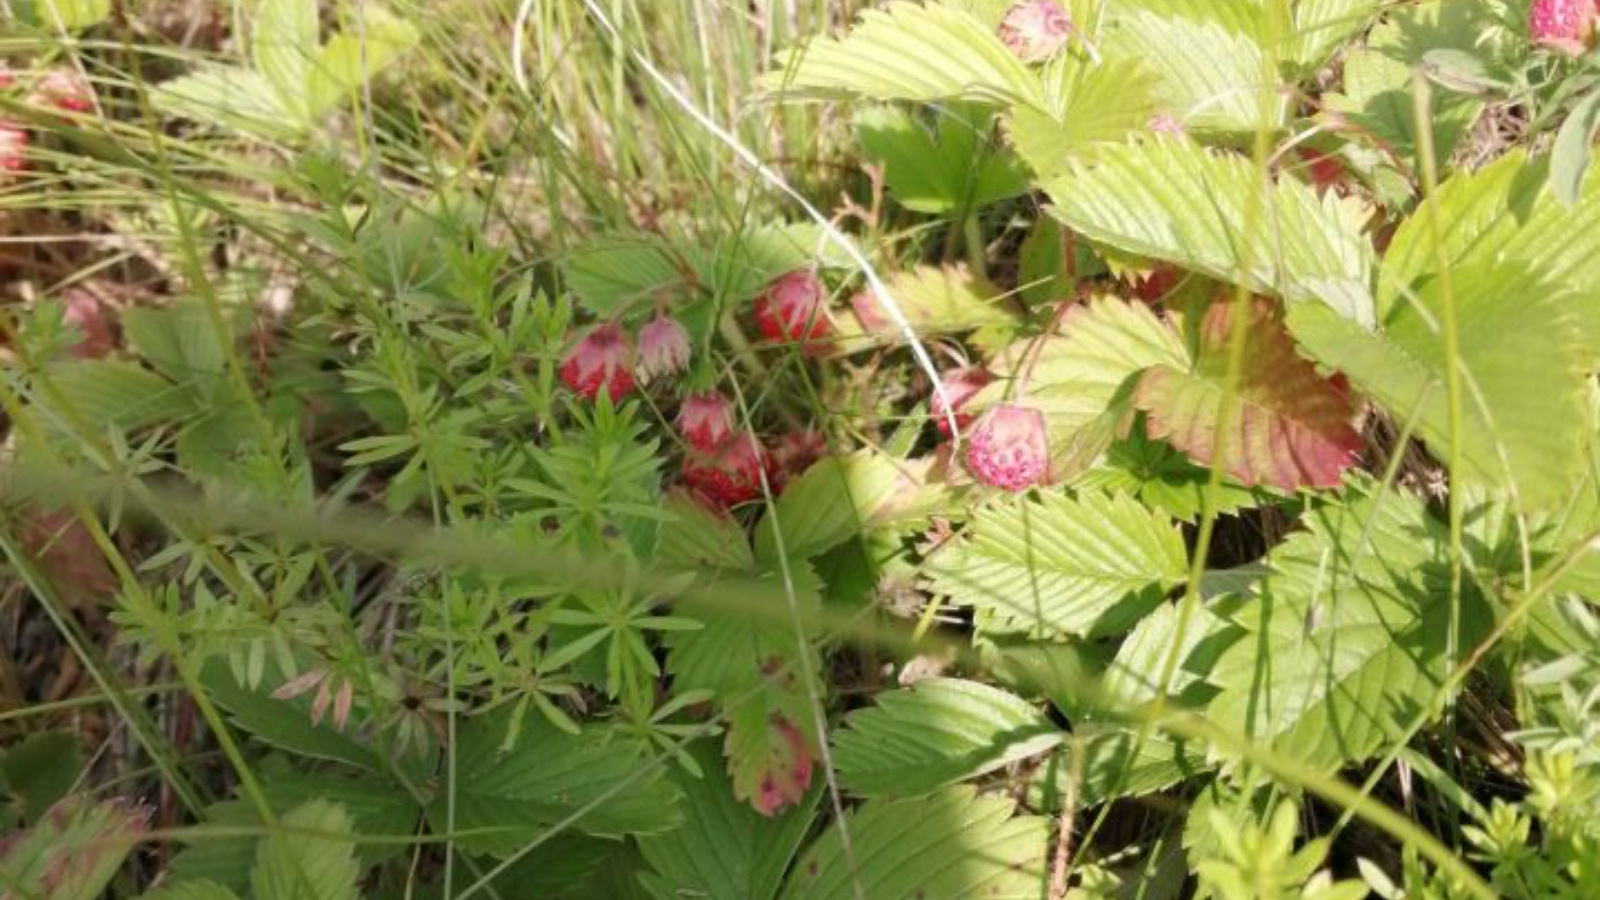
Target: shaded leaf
pixel 838 498
pixel 292 864
pixel 1291 427
pixel 72 852
pixel 940 731
pixel 1345 641
pixel 725 850
pixel 951 845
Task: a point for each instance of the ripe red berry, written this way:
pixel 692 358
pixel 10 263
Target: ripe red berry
pixel 1009 447
pixel 1035 29
pixel 663 347
pixel 960 385
pixel 603 359
pixel 1324 169
pixel 64 89
pixel 13 147
pixel 1567 26
pixel 705 420
pixel 729 475
pixel 790 309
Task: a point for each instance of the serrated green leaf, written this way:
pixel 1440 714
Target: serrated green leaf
pixel 1174 200
pixel 945 166
pixel 886 57
pixel 73 15
pixel 1522 362
pixel 941 731
pixel 610 274
pixel 179 340
pixel 700 538
pixel 1086 106
pixel 1109 768
pixel 545 778
pixel 725 850
pixel 227 96
pixel 951 845
pixel 1161 477
pixel 283 43
pixel 196 889
pixel 1134 675
pixel 1499 216
pixel 1058 565
pixel 839 498
pixel 353 58
pixel 1320 26
pixel 292 864
pixel 1345 640
pixel 942 300
pixel 99 393
pixel 1291 428
pixel 1210 63
pixel 37 771
pixel 283 723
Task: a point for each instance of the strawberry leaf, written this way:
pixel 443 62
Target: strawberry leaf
pixel 1291 428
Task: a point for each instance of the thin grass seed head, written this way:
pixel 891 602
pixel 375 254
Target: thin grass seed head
pixel 790 309
pixel 1566 26
pixel 1035 30
pixel 706 420
pixel 1009 447
pixel 663 348
pixel 603 359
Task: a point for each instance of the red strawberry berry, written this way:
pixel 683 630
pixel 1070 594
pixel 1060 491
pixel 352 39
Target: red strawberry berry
pixel 705 420
pixel 1566 26
pixel 1009 448
pixel 85 313
pixel 64 89
pixel 729 475
pixel 13 147
pixel 790 309
pixel 1324 169
pixel 603 359
pixel 960 385
pixel 1035 29
pixel 663 347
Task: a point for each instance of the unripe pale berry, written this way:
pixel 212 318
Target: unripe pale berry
pixel 602 360
pixel 85 313
pixel 790 309
pixel 705 420
pixel 960 385
pixel 13 147
pixel 1009 447
pixel 1035 29
pixel 663 347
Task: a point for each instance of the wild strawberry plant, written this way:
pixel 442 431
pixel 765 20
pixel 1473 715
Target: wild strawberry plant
pixel 433 471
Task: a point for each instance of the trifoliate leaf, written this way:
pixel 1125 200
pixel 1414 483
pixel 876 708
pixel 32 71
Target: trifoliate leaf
pixel 1058 565
pixel 952 845
pixel 940 731
pixel 1345 641
pixel 1211 69
pixel 947 165
pixel 1087 106
pixel 1290 427
pixel 1174 200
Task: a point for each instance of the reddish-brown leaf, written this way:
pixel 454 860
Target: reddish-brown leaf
pixel 1293 428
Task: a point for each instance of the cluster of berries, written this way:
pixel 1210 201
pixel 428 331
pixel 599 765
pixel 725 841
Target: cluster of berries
pixel 59 88
pixel 724 464
pixel 1567 26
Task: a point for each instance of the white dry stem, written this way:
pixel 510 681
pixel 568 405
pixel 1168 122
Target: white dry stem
pixel 880 291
